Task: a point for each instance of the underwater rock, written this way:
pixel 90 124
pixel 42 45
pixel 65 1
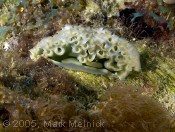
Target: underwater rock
pixel 113 6
pixel 121 109
pixel 95 51
pixel 10 44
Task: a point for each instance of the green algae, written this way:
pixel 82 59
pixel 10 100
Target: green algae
pixel 95 82
pixel 158 73
pixel 3 32
pixel 1 127
pixel 158 76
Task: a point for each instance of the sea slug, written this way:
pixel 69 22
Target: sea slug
pixel 92 50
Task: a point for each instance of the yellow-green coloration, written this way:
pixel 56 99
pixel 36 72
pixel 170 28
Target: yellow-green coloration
pixel 90 81
pixel 158 75
pixel 157 78
pixel 40 83
pixel 1 127
pixel 95 51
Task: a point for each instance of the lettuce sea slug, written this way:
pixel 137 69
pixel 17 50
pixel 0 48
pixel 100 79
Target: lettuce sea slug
pixel 95 51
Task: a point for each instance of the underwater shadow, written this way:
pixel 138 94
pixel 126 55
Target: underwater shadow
pixel 148 62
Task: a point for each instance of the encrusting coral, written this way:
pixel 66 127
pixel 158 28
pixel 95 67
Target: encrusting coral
pixel 95 51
